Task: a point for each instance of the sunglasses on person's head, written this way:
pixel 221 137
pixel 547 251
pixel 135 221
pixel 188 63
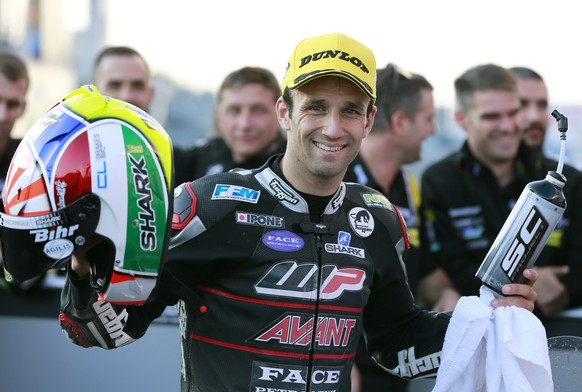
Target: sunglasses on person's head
pixel 391 81
pixel 391 76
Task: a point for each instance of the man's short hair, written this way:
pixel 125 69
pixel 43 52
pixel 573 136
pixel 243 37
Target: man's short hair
pixel 117 51
pixel 481 78
pixel 251 75
pixel 526 73
pixel 397 89
pixel 13 67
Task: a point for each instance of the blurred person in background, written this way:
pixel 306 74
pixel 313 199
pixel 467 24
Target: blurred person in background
pixel 14 82
pixel 467 196
pixel 534 121
pixel 122 73
pixel 533 95
pixel 246 132
pixel 404 119
pixel 535 116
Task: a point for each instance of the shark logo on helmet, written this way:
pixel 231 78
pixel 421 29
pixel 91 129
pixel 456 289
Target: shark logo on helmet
pixel 146 215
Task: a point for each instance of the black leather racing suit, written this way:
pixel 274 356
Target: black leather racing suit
pixel 283 300
pixel 405 195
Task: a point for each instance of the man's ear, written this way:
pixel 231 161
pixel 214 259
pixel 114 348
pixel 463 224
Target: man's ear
pixel 461 119
pixel 399 122
pixel 283 114
pixel 22 107
pixel 151 94
pixel 370 121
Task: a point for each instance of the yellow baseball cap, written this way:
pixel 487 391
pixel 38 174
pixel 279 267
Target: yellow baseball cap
pixel 332 54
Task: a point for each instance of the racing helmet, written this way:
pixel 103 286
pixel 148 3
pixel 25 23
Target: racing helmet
pixel 91 167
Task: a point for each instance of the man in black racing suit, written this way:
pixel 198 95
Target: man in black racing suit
pixel 276 286
pixel 281 297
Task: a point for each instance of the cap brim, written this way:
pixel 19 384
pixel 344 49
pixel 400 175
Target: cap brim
pixel 304 78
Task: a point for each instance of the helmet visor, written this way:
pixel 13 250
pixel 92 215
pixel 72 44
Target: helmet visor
pixel 33 244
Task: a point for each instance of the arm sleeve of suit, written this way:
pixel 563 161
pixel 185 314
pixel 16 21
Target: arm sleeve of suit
pixel 402 338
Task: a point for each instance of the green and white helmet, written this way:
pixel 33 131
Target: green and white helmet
pixel 92 166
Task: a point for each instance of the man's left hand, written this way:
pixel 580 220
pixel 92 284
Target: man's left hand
pixel 521 295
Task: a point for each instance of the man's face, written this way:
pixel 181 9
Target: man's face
pixel 12 104
pixel 325 130
pixel 125 77
pixel 492 127
pixel 246 120
pixel 421 126
pixel 534 117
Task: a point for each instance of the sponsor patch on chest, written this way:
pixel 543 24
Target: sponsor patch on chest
pixel 361 221
pixel 252 219
pixel 283 241
pixel 235 192
pixel 343 246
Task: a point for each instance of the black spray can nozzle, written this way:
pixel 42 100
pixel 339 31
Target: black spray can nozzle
pixel 561 119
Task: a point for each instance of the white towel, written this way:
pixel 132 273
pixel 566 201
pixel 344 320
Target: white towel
pixel 494 350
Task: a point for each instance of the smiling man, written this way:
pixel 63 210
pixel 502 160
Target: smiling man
pixel 246 132
pixel 533 94
pixel 122 73
pixel 467 196
pixel 279 270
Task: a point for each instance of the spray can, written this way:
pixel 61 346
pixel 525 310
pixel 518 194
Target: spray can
pixel 528 226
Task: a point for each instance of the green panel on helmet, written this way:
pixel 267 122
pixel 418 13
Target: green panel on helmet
pixel 147 206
